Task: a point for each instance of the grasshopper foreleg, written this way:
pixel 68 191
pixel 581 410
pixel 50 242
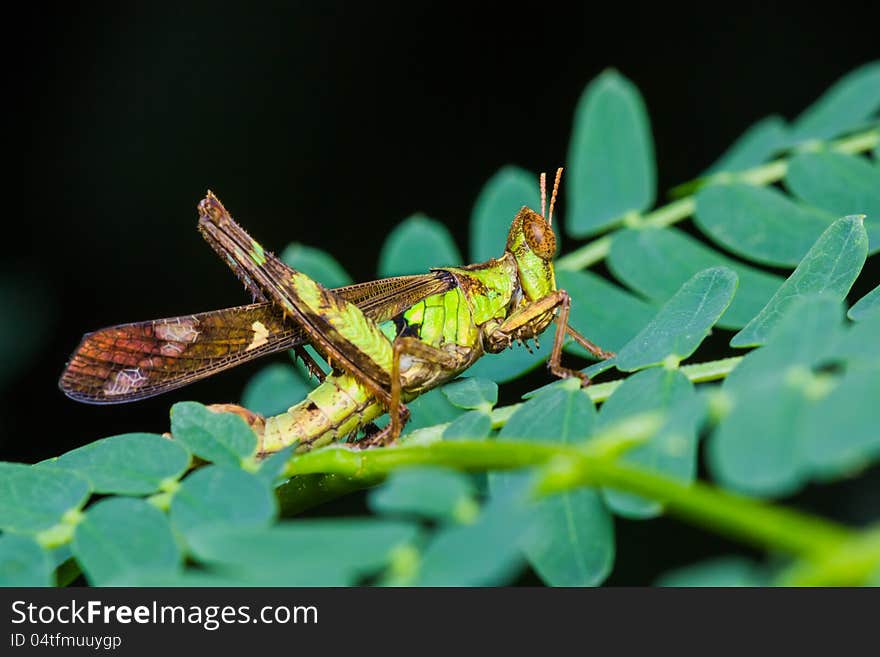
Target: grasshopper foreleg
pixel 520 325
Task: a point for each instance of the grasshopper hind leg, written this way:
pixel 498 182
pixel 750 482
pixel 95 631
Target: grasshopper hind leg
pixel 415 349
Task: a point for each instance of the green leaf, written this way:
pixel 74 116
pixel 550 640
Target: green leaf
pixel 672 451
pixel 485 553
pixel 757 447
pixel 36 497
pixel 222 495
pixel 866 305
pixel 859 346
pixel 23 562
pixel 499 201
pixel 122 537
pixel 849 102
pixel 415 245
pixel 830 267
pixel 192 578
pixel 571 537
pixel 320 552
pixel 657 261
pixel 759 223
pixel 601 311
pixel 272 467
pixel 472 393
pixel 841 184
pixel 513 362
pixel 274 389
pixel 610 158
pixel 473 425
pixel 129 464
pixel 682 323
pixel 316 264
pixel 429 492
pixel 755 146
pixel 840 429
pixel 596 369
pixel 218 437
pixel 723 571
pixel 429 409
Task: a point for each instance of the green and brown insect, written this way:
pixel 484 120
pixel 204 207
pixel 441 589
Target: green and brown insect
pixel 387 341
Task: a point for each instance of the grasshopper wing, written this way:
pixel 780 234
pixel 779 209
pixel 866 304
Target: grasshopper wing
pixel 129 362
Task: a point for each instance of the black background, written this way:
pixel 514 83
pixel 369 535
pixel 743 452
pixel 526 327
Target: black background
pixel 328 125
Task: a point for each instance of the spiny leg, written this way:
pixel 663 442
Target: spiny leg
pixel 337 327
pixel 592 347
pixel 520 320
pixel 416 349
pixel 311 365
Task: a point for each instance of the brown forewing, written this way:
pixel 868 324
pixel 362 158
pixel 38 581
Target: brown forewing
pixel 134 361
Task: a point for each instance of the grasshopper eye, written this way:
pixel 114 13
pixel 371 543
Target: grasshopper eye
pixel 540 237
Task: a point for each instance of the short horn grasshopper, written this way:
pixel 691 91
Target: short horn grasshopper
pixel 387 341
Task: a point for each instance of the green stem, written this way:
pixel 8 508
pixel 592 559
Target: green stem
pixel 766 174
pixel 752 521
pixel 712 370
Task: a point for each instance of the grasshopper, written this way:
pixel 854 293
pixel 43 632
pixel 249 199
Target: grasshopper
pixel 387 341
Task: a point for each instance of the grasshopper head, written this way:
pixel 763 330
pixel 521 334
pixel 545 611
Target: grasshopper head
pixel 532 243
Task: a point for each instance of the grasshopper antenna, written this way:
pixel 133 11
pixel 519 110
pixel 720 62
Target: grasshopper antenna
pixel 543 193
pixel 553 195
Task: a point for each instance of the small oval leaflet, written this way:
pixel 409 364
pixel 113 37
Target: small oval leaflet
pixel 122 538
pixel 611 156
pixel 307 552
pixel 851 100
pixel 865 306
pixel 612 314
pixel 316 264
pixel 754 146
pixel 473 425
pixel 36 497
pixel 222 495
pixel 128 464
pixel 830 267
pixel 657 261
pixel 23 562
pixel 671 451
pixel 484 553
pixel 723 571
pixel 758 447
pixel 683 322
pixel 415 245
pixel 217 437
pixel 759 223
pixel 274 389
pixel 500 199
pixel 472 393
pixel 430 492
pixel 840 184
pixel 570 541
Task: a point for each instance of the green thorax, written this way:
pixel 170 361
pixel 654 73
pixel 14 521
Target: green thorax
pixel 483 292
pixel 488 287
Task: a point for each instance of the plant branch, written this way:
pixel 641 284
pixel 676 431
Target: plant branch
pixel 766 174
pixel 752 521
pixel 712 370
